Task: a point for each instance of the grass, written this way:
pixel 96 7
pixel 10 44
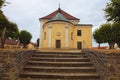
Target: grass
pixel 108 51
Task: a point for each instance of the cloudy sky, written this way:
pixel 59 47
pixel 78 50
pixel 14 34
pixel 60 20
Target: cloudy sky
pixel 26 13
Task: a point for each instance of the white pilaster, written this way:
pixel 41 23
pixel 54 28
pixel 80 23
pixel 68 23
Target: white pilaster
pixel 49 36
pixel 40 39
pixel 66 36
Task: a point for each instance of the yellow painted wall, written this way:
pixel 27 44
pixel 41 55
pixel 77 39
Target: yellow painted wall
pixel 43 21
pixel 45 41
pixel 85 38
pixel 60 26
pixel 74 21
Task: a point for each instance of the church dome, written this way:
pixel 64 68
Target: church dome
pixel 59 16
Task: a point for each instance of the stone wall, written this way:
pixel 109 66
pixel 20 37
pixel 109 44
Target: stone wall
pixel 107 64
pixel 12 62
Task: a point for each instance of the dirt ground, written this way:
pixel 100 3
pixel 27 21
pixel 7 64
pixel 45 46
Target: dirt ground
pixel 108 50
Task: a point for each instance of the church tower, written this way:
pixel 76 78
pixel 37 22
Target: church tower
pixel 61 30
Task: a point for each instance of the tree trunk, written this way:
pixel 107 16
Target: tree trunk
pixel 24 46
pixel 99 46
pixel 3 37
pixel 111 45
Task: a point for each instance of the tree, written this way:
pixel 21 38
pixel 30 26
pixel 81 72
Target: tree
pixel 3 24
pixel 112 10
pixel 1 3
pixel 108 33
pixel 118 43
pixel 8 29
pixel 38 42
pixel 98 37
pixel 12 30
pixel 25 38
pixel 117 32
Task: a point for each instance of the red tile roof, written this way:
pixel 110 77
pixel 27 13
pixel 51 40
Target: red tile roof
pixel 65 14
pixel 13 42
pixel 10 41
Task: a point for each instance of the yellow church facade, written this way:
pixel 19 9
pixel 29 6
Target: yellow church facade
pixel 61 30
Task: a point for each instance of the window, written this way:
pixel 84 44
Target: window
pixel 44 35
pixel 71 35
pixel 78 32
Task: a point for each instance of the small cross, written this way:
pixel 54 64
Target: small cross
pixel 59 5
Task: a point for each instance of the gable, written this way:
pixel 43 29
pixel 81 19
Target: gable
pixel 65 14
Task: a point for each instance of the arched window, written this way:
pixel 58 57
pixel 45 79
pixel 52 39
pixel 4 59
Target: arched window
pixel 44 35
pixel 71 35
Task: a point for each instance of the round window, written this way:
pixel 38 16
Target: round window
pixel 58 33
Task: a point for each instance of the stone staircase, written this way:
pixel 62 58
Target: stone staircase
pixel 59 66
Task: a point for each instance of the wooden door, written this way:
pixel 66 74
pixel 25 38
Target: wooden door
pixel 58 44
pixel 79 45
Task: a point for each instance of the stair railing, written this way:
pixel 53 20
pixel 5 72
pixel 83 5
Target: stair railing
pixel 99 58
pixel 101 68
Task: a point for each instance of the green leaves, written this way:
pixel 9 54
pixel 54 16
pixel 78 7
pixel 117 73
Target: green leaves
pixel 112 13
pixel 117 32
pixel 108 33
pixel 7 29
pixel 12 30
pixel 105 30
pixel 112 10
pixel 97 36
pixel 25 37
pixel 3 20
pixel 1 3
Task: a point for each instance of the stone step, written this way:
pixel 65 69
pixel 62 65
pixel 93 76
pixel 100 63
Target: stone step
pixel 52 79
pixel 60 69
pixel 60 64
pixel 60 59
pixel 58 55
pixel 58 76
pixel 68 53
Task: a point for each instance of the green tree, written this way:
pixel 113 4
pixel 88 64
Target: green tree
pixel 106 30
pixel 117 32
pixel 112 10
pixel 12 30
pixel 118 43
pixel 8 29
pixel 38 42
pixel 1 3
pixel 25 38
pixel 110 33
pixel 3 25
pixel 98 37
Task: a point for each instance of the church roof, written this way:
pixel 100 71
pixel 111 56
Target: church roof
pixel 83 25
pixel 60 12
pixel 59 16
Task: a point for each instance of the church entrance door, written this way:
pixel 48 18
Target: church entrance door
pixel 79 45
pixel 58 43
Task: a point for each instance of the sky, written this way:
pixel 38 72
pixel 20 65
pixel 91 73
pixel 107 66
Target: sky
pixel 26 13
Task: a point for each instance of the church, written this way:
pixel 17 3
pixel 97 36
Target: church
pixel 61 30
